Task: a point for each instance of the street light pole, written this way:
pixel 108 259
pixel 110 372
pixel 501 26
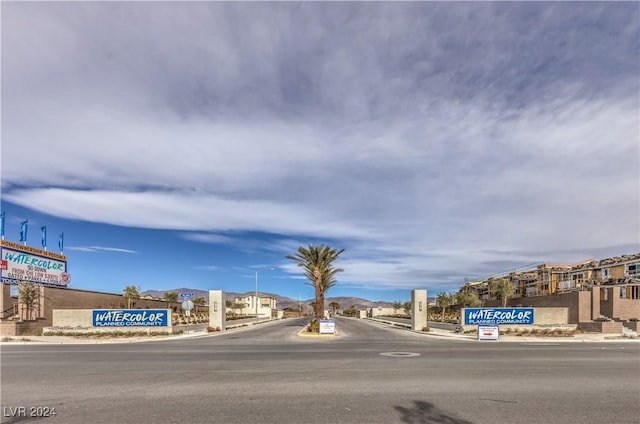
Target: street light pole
pixel 256 297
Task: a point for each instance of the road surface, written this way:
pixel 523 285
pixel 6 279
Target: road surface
pixel 369 374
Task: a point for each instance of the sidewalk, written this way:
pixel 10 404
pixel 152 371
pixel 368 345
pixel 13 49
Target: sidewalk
pixel 435 332
pixel 577 338
pixel 42 340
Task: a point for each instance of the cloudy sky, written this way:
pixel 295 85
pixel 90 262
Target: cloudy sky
pixel 195 144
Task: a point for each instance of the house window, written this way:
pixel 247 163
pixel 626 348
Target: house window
pixel 633 270
pixel 634 292
pixel 606 273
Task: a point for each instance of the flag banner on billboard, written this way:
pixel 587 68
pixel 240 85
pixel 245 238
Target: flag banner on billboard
pixel 44 237
pixel 23 231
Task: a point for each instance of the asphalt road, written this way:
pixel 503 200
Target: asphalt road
pixel 266 374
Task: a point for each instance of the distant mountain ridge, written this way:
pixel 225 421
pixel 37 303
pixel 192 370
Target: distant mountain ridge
pixel 283 301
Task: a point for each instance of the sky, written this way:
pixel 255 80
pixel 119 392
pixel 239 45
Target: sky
pixel 196 144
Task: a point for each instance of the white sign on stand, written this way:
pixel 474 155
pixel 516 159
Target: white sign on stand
pixel 187 305
pixel 327 326
pixel 488 332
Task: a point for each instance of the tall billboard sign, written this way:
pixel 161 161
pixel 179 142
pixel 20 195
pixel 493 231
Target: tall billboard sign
pixel 23 263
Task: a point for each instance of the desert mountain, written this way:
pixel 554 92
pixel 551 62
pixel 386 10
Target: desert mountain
pixel 283 302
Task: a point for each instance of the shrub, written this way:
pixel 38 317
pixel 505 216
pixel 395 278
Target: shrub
pixel 313 327
pixel 426 329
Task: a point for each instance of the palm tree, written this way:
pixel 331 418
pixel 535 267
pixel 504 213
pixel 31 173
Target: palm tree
pixel 335 306
pixel 351 311
pixel 170 297
pixel 317 262
pixel 131 292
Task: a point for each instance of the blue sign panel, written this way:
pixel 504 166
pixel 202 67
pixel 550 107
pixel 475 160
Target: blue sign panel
pixel 495 316
pixel 130 317
pixel 186 294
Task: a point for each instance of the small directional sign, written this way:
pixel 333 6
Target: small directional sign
pixel 184 295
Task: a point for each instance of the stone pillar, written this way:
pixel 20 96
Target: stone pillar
pixel 5 299
pixel 41 304
pixel 217 309
pixel 418 309
pixel 595 302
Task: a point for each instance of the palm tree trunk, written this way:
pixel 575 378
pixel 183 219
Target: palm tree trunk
pixel 318 306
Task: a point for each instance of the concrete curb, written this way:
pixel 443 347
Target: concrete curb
pixel 57 340
pixel 507 338
pixel 305 333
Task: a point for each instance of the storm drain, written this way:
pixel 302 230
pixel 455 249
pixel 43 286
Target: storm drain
pixel 400 354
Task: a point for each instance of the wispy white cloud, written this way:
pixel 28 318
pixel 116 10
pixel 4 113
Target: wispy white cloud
pixel 99 249
pixel 209 267
pixel 427 140
pixel 207 238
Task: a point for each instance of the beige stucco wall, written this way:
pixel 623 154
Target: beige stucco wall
pixel 625 308
pixel 72 317
pixel 546 316
pixel 378 311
